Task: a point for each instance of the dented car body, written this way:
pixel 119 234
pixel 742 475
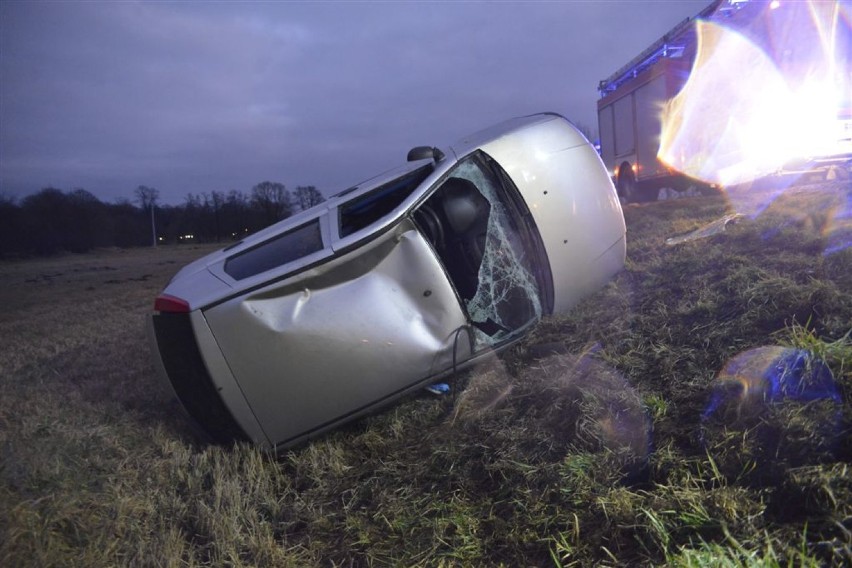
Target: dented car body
pixel 390 285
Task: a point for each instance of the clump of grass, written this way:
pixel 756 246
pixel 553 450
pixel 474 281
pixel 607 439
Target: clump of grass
pixel 836 353
pixel 656 405
pixel 770 553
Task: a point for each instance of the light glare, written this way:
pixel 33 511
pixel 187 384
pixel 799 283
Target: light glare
pixel 761 96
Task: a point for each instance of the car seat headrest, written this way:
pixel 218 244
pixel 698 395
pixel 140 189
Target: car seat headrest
pixel 462 204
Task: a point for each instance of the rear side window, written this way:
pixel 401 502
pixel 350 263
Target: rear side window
pixel 275 252
pixel 369 208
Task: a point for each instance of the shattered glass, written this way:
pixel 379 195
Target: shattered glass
pixel 708 230
pixel 507 296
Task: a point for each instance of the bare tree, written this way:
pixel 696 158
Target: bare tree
pixel 215 201
pixel 11 221
pixel 236 213
pixel 307 196
pixel 146 196
pixel 273 199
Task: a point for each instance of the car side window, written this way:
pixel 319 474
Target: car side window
pixel 290 246
pixel 369 208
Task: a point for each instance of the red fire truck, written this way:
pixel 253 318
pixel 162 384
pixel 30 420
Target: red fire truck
pixel 629 112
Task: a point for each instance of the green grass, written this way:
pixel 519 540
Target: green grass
pixel 583 445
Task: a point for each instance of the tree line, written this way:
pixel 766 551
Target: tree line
pixel 53 221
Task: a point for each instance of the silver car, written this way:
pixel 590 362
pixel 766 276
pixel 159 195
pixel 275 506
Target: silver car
pixel 390 285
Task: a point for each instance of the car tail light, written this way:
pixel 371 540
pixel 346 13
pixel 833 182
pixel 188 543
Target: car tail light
pixel 172 304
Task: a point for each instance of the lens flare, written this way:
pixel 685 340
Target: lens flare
pixel 768 87
pixel 838 233
pixel 772 405
pixel 576 400
pixel 603 410
pixel 772 374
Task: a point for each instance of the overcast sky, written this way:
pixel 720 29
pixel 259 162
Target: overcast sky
pixel 193 97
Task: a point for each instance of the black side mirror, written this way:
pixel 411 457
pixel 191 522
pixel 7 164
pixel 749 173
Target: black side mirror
pixel 425 153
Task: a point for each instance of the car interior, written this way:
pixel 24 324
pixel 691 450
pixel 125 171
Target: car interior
pixel 477 239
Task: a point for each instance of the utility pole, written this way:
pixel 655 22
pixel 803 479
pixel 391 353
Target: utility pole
pixel 153 227
pixel 148 196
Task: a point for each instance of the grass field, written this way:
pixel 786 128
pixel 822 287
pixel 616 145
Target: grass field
pixel 589 444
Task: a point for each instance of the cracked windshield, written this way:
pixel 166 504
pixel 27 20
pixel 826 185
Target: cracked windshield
pixel 507 294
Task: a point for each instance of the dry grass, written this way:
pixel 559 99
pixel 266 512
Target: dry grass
pixel 582 446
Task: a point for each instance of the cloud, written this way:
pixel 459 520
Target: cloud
pixel 192 98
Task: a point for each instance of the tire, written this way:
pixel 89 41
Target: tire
pixel 631 191
pixel 627 184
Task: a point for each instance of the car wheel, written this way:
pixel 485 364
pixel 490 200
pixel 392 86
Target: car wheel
pixel 628 189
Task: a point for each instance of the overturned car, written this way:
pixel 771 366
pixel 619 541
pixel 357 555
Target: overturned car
pixel 390 285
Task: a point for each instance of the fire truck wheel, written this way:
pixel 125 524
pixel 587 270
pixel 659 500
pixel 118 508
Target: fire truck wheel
pixel 627 188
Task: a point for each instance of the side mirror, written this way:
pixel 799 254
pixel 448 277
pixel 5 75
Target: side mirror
pixel 425 153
